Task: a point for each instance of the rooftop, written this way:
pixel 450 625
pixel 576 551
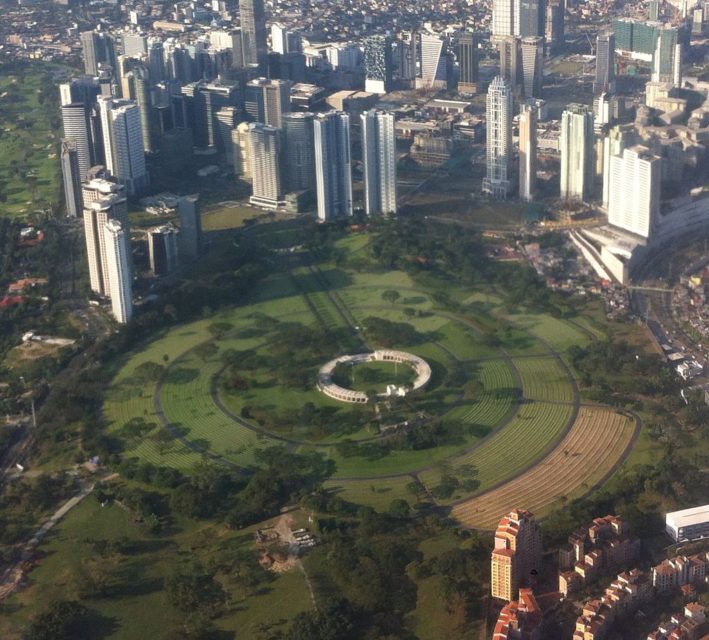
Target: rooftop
pixel 688 517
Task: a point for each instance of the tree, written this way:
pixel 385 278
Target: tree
pixel 399 508
pixel 219 329
pixel 390 296
pixel 64 620
pixel 196 593
pixel 148 372
pixel 206 350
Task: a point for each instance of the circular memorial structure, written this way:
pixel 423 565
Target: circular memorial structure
pixel 330 388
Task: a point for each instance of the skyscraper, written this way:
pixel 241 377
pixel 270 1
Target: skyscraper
pixel 97 49
pixel 103 201
pixel 634 194
pixel 467 62
pixel 379 154
pixel 241 151
pixel 84 90
pixel 190 239
pixel 71 176
pixel 511 60
pixel 253 34
pixel 554 28
pixel 203 102
pixel 532 51
pixel 227 118
pixel 267 100
pixel 521 18
pixel 135 44
pixel 120 286
pixel 82 124
pixel 618 139
pixel 377 64
pixel 162 249
pixel 266 166
pixel 299 140
pixel 499 138
pixel 527 152
pixel 433 71
pixel 577 153
pixel 605 64
pixel 135 85
pixel 284 40
pixel 503 18
pixel 517 554
pixel 123 143
pixel 333 165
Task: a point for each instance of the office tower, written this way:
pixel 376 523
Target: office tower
pixel 71 176
pixel 530 18
pixel 287 66
pixel 253 34
pixel 229 40
pixel 227 119
pixel 379 155
pixel 190 238
pixel 267 100
pixel 333 165
pixel 634 190
pixel 377 64
pixel 618 139
pixel 697 21
pixel 665 60
pixel 135 85
pixel 265 155
pixel 433 72
pixel 577 149
pixel 241 151
pixel 285 41
pixel 511 60
pixel 203 101
pixel 156 61
pixel 178 64
pixel 103 201
pixel 135 45
pixel 499 138
pixel 527 152
pixel 532 53
pixel 299 142
pixel 84 89
pixel 468 78
pixel 605 64
pixel 503 18
pixel 653 9
pixel 554 28
pixel 162 249
pixel 410 53
pixel 97 49
pixel 123 143
pixel 517 557
pixel 120 286
pixel 82 125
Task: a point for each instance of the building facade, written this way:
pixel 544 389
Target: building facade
pixel 333 165
pixel 577 147
pixel 266 169
pixel 379 155
pixel 120 286
pixel 499 138
pixel 527 152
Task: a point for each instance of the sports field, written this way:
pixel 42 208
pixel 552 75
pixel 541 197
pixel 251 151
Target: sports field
pixel 498 408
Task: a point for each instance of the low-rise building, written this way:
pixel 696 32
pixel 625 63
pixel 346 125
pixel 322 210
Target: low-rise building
pixel 688 524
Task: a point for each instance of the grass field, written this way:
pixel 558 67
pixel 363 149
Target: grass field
pixel 510 411
pixel 29 140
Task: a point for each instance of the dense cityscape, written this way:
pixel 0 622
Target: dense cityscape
pixel 354 320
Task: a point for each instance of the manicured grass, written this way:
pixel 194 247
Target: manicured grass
pixel 544 379
pixel 560 335
pixel 228 217
pixel 376 493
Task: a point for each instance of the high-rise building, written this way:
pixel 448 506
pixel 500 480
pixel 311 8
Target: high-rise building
pixel 123 143
pixel 103 201
pixel 468 78
pixel 82 124
pixel 532 53
pixel 284 40
pixel 229 40
pixel 379 155
pixel 554 28
pixel 527 152
pixel 517 556
pixel 511 60
pixel 267 100
pixel 577 153
pixel 135 85
pixel 156 61
pixel 241 151
pixel 299 140
pixel 499 138
pixel 634 193
pixel 433 71
pixel 530 18
pixel 253 34
pixel 266 166
pixel 503 18
pixel 97 48
pixel 120 286
pixel 190 238
pixel 377 64
pixel 667 59
pixel 203 102
pixel 618 139
pixel 653 9
pixel 605 64
pixel 135 45
pixel 227 119
pixel 333 165
pixel 84 90
pixel 72 177
pixel 162 249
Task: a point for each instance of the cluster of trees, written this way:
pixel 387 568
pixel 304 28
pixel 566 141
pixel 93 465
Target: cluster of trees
pixel 386 333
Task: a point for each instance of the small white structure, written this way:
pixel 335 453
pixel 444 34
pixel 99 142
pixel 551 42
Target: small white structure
pixel 690 369
pixel 688 524
pixel 329 388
